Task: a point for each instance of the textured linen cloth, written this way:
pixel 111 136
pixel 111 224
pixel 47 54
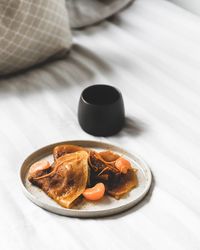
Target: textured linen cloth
pixel 32 31
pixel 150 51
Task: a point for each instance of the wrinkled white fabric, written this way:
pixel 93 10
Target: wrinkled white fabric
pixel 192 5
pixel 150 51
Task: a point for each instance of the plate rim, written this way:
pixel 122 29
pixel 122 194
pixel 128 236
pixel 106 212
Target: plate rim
pixel 86 213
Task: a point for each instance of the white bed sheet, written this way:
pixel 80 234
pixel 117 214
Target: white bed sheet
pixel 151 52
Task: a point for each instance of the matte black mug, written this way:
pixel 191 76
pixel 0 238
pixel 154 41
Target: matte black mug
pixel 101 110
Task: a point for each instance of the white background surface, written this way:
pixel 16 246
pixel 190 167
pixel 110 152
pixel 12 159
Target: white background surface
pixel 151 52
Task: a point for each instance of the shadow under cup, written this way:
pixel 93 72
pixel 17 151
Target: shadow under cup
pixel 101 110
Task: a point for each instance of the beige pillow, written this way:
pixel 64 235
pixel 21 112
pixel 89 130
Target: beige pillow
pixel 32 31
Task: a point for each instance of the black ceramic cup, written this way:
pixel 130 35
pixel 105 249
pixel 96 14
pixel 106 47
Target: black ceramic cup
pixel 101 110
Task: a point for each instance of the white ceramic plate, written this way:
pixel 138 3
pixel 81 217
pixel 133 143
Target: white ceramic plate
pixel 108 205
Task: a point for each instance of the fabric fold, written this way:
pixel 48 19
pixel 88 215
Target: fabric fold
pixel 87 12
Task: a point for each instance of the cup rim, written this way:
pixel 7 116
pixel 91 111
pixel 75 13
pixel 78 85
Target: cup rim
pixel 100 105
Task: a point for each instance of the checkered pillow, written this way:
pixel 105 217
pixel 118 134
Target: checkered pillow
pixel 31 31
